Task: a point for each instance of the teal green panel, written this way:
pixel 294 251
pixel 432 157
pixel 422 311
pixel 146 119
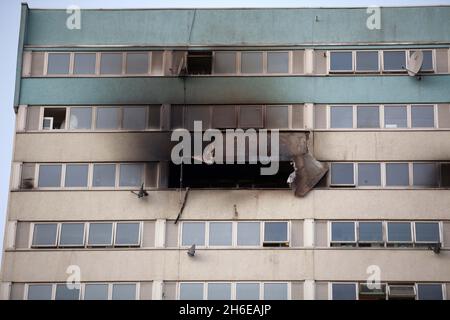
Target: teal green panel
pixel 239 26
pixel 229 90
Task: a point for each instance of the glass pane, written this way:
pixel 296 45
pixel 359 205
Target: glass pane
pixel 368 117
pixel 100 233
pixel 367 60
pixel 76 175
pixel 341 61
pixel 225 62
pixel 64 293
pixel 344 291
pixel 399 231
pixel 248 233
pixel 277 62
pixel 371 231
pixel 111 63
pixel 124 292
pixel 219 291
pixel 104 175
pixel 107 118
pixel 137 63
pixel 429 292
pixel 342 173
pixel 395 117
pixel 191 291
pixel 96 292
pixel 394 60
pixel 427 60
pixel 197 113
pixel 422 116
pixel 251 62
pixel 80 118
pixel 72 234
pixel 369 174
pixel 134 118
pixel 247 291
pixel 131 175
pixel 275 231
pixel 397 174
pixel 193 233
pixel 58 63
pixel 224 117
pixel 39 292
pixel 127 234
pixel 341 117
pixel 84 63
pixel 277 117
pixel 220 234
pixel 154 115
pixel 343 231
pixel 427 232
pixel 44 234
pixel 275 291
pixel 425 174
pixel 250 117
pixel 49 176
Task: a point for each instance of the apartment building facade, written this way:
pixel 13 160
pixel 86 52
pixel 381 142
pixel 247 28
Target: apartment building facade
pixel 95 110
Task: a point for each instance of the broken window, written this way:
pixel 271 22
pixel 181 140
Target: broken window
pixel 199 62
pixel 58 63
pixel 343 291
pixel 84 63
pixel 225 62
pixel 395 117
pixel 54 119
pixel 276 234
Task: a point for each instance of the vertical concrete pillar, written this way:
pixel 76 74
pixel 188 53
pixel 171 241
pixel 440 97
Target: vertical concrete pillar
pixel 308 118
pixel 21 118
pixel 160 233
pixel 308 233
pixel 309 61
pixel 309 290
pixel 157 290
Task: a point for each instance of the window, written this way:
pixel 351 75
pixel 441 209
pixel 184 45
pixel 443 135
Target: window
pixel 224 117
pixel 275 291
pixel 84 63
pixel 137 63
pixel 100 234
pixel 39 292
pixel 251 62
pixel 276 234
pixel 127 234
pixel 80 118
pixel 341 117
pixel 54 119
pixel 395 117
pixel 124 291
pixel 248 234
pixel 343 232
pixel 422 116
pixel 65 293
pixel 343 291
pixel 96 291
pixel 427 64
pixel 341 61
pixel 134 118
pixel 44 235
pixel 370 232
pixel 219 291
pixel 277 62
pixel 369 174
pixel 247 291
pixel 425 174
pixel 111 63
pixel 58 63
pixel 394 60
pixel 76 175
pixel 72 234
pixel 197 113
pixel 220 234
pixel 49 176
pixel 131 175
pixel 445 174
pixel 401 292
pixel 225 62
pixel 342 174
pixel 368 117
pixel 277 117
pixel 399 232
pixel 372 293
pixel 199 62
pixel 193 233
pixel 367 61
pixel 429 291
pixel 250 117
pixel 427 232
pixel 397 174
pixel 107 118
pixel 104 175
pixel 191 291
pixel 154 115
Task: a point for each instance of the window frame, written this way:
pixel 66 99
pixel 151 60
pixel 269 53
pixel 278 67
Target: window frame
pixel 236 63
pixel 411 242
pixel 38 171
pixel 330 232
pixel 87 75
pixel 58 75
pixel 354 117
pixel 27 285
pixel 83 245
pixel 383 232
pixel 69 114
pixel 88 178
pixel 288 234
pixel 266 62
pixel 149 61
pixel 39 246
pixel 355 176
pixel 330 289
pixel 140 230
pixel 42 118
pixel 95 245
pixel 330 52
pixel 366 71
pixel 382 173
pixel 442 285
pixel 440 232
pixel 100 57
pixel 393 71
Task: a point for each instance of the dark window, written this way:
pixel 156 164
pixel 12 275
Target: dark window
pixel 225 62
pixel 134 118
pixel 65 293
pixel 277 117
pixel 39 292
pixel 342 174
pixel 343 232
pixel 343 291
pixel 399 232
pixel 199 62
pixel 425 174
pixel 370 232
pixel 275 232
pixel 341 61
pixel 54 119
pixel 428 291
pixel 445 175
pixel 250 117
pixel 427 232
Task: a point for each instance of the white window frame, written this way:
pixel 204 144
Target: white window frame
pixel 440 235
pixel 83 245
pixel 233 232
pixel 69 114
pixel 138 244
pixel 206 233
pixel 357 185
pixel 330 232
pixel 399 242
pixel 27 285
pixel 149 60
pixel 87 75
pixel 116 177
pixel 330 52
pixel 122 73
pixel 288 234
pixel 435 116
pixel 443 289
pixel 38 246
pixel 383 116
pixel 397 70
pixel 38 170
pixel 383 235
pixel 355 175
pixel 235 236
pixel 89 167
pixel 42 118
pixel 355 65
pixel 330 288
pixel 94 245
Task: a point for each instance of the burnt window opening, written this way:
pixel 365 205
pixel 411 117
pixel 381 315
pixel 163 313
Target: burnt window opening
pixel 199 62
pixel 54 119
pixel 239 176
